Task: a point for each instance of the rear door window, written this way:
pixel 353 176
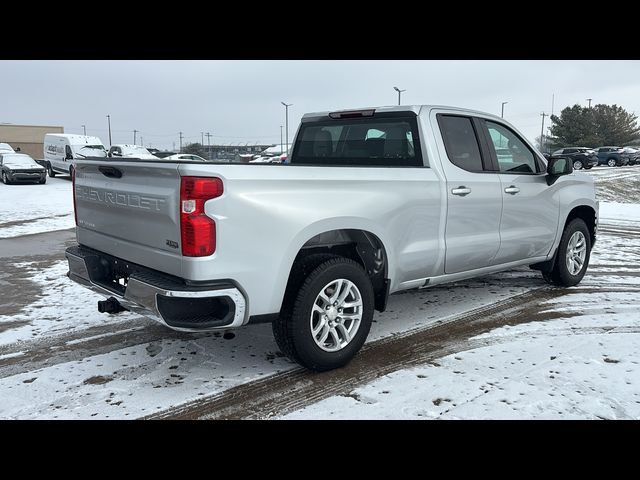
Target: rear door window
pixel 461 142
pixel 376 141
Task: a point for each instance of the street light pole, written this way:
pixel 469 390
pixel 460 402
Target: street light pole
pixel 202 138
pixel 589 100
pixel 84 127
pixel 180 142
pixel 502 111
pixel 281 145
pixel 109 120
pixel 399 92
pixel 286 110
pixel 134 136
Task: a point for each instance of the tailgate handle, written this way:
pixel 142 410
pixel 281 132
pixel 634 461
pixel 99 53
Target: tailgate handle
pixel 111 172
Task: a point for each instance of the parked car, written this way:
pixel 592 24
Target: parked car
pixel 612 156
pixel 20 168
pixel 61 150
pixel 185 156
pixel 131 151
pixel 582 157
pixel 361 211
pixel 6 148
pixel 634 155
pixel 164 154
pixel 269 159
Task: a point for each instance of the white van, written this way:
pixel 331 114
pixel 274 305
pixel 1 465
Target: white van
pixel 61 150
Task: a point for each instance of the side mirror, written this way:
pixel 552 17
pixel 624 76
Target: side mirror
pixel 557 167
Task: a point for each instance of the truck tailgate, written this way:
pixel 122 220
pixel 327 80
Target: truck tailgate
pixel 130 209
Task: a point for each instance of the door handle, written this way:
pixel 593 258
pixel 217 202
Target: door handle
pixel 512 190
pixel 461 191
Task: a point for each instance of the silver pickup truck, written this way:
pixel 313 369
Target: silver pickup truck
pixel 371 202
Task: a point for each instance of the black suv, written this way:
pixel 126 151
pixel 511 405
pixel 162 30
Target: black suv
pixel 612 156
pixel 582 157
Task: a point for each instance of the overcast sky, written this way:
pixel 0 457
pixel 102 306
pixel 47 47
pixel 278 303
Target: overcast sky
pixel 239 101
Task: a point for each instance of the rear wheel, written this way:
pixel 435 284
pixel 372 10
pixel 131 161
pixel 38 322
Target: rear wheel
pixel 50 171
pixel 573 255
pixel 326 321
pixel 611 162
pixel 577 165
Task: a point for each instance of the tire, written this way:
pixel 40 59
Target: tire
pixel 561 275
pixel 5 180
pixel 50 171
pixel 612 162
pixel 588 167
pixel 293 329
pixel 577 165
pixel 44 180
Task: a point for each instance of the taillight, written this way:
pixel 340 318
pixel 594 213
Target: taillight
pixel 73 189
pixel 198 231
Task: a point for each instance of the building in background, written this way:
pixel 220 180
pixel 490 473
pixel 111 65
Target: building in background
pixel 28 138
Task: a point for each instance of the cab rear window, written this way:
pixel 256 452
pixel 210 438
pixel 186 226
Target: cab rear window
pixel 384 142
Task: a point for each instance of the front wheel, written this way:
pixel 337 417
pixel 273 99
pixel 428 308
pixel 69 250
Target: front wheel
pixel 577 165
pixel 589 167
pixel 5 179
pixel 325 323
pixel 573 255
pixel 611 162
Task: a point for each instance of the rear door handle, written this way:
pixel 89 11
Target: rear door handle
pixel 461 191
pixel 512 190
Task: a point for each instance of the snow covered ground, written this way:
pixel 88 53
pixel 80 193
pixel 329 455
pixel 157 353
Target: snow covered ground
pixel 586 365
pixel 36 208
pixel 60 358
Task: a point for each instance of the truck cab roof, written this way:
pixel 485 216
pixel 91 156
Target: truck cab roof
pixel 412 109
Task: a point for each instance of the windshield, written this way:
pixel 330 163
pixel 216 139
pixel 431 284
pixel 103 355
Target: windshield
pixel 22 160
pixel 131 150
pixel 90 150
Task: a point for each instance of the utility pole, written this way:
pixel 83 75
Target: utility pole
pixel 109 120
pixel 134 136
pixel 142 141
pixel 542 131
pixel 589 100
pixel 208 145
pixel 281 145
pixel 180 142
pixel 502 111
pixel 84 127
pixel 399 92
pixel 553 98
pixel 286 109
pixel 202 138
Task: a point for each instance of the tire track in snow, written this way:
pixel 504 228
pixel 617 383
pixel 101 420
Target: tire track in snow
pixel 288 391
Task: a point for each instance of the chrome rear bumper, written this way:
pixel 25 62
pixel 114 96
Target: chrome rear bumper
pixel 177 305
